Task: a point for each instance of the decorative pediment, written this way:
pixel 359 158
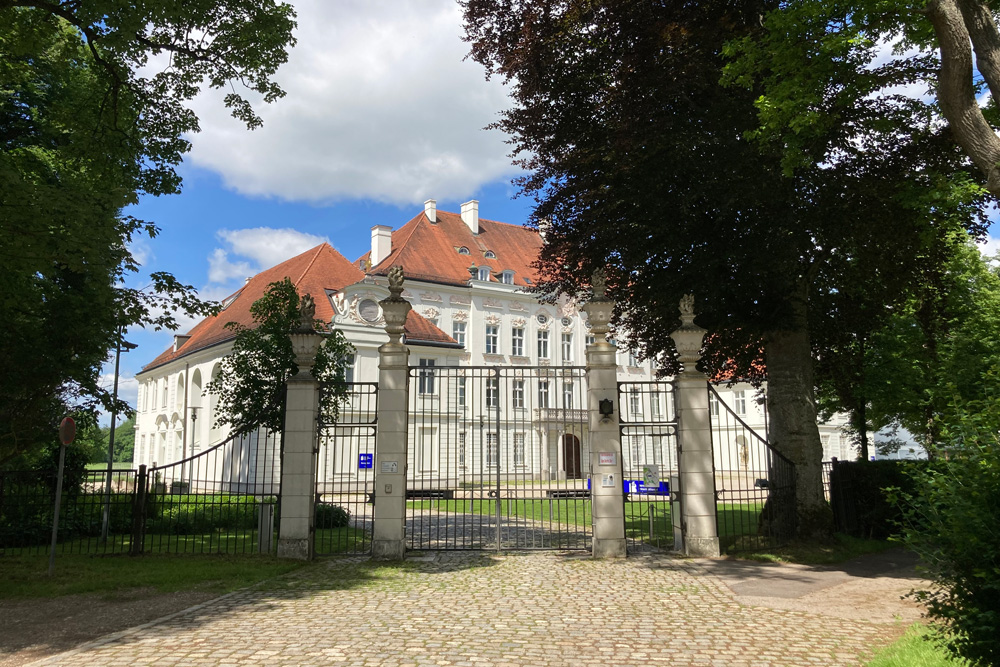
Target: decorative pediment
pixel 492 303
pixel 431 313
pixel 518 322
pixel 517 305
pixel 460 316
pixel 430 296
pixel 459 300
pixel 492 318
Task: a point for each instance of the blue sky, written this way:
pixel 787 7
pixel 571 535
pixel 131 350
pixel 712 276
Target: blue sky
pixel 382 112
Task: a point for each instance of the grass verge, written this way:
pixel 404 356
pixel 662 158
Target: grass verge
pixel 27 576
pixel 842 548
pixel 916 648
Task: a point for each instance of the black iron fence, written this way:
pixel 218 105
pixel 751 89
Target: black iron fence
pixel 27 501
pixel 345 478
pixel 648 425
pixel 222 500
pixel 755 484
pixel 498 458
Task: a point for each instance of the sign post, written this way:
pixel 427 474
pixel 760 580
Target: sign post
pixel 67 433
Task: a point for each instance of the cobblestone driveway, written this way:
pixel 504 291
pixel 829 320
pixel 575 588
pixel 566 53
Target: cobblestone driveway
pixel 479 610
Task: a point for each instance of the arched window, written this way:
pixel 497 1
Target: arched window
pixel 484 273
pixel 463 251
pixel 489 254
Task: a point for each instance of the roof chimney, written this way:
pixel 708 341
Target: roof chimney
pixel 470 215
pixel 430 210
pixel 381 243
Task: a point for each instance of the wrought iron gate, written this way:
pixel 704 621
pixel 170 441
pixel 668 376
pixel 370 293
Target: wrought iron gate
pixel 345 478
pixel 648 424
pixel 498 458
pixel 755 483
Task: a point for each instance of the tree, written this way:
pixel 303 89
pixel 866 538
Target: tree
pixel 639 160
pixel 817 47
pixel 89 121
pixel 253 376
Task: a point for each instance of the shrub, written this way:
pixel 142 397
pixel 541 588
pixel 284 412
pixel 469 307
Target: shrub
pixel 950 519
pixel 331 516
pixel 859 499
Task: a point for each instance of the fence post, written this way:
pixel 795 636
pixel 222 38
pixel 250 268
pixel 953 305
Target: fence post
pixel 699 522
pixel 139 512
pixel 298 442
pixel 389 535
pixel 607 504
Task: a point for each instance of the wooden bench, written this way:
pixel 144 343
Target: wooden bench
pixel 568 493
pixel 421 494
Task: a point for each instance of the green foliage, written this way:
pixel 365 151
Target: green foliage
pixel 858 496
pixel 331 516
pixel 253 376
pixel 88 124
pixel 181 514
pixel 951 520
pixel 919 647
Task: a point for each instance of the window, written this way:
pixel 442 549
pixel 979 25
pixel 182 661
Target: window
pixel 491 339
pixel 484 273
pixel 634 401
pixel 489 254
pixel 633 359
pixel 543 344
pixel 458 332
pixel 461 450
pixel 492 450
pixel 567 395
pixel 507 277
pixel 517 342
pixel 369 310
pixel 492 392
pixel 461 392
pixel 163 398
pixel 637 453
pixel 138 400
pixel 518 393
pixel 655 407
pixel 426 376
pixel 658 449
pixel 740 402
pixel 463 251
pixel 567 347
pixel 591 339
pixel 543 393
pixel 519 453
pixel 349 368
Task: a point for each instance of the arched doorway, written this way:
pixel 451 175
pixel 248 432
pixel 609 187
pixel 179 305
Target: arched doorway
pixel 571 456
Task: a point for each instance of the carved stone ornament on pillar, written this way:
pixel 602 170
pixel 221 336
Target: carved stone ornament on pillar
pixel 395 308
pixel 689 336
pixel 600 308
pixel 305 340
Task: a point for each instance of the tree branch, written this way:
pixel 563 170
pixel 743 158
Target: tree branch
pixel 985 42
pixel 957 94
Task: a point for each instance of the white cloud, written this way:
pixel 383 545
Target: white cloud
pixel 268 246
pixel 990 247
pixel 381 104
pixel 221 270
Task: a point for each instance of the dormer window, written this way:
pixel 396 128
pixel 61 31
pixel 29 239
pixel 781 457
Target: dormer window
pixel 507 277
pixel 229 301
pixel 484 273
pixel 463 251
pixel 489 254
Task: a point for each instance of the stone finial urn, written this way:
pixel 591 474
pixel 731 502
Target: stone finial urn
pixel 600 308
pixel 395 308
pixel 689 336
pixel 305 339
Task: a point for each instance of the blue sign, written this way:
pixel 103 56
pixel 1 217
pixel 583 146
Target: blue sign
pixel 366 461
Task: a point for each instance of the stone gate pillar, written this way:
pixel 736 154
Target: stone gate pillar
pixel 389 539
pixel 697 472
pixel 298 462
pixel 607 503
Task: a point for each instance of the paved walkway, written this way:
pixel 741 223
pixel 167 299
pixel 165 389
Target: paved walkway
pixel 480 610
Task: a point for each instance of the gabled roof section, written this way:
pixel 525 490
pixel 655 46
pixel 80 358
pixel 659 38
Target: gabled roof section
pixel 429 250
pixel 313 272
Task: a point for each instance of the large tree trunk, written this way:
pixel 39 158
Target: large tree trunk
pixel 793 430
pixel 960 26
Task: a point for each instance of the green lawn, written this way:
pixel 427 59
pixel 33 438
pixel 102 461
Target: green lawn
pixel 27 576
pixel 914 649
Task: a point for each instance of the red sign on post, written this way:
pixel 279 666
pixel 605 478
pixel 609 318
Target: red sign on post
pixel 67 430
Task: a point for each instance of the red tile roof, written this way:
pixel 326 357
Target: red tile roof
pixel 429 250
pixel 317 272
